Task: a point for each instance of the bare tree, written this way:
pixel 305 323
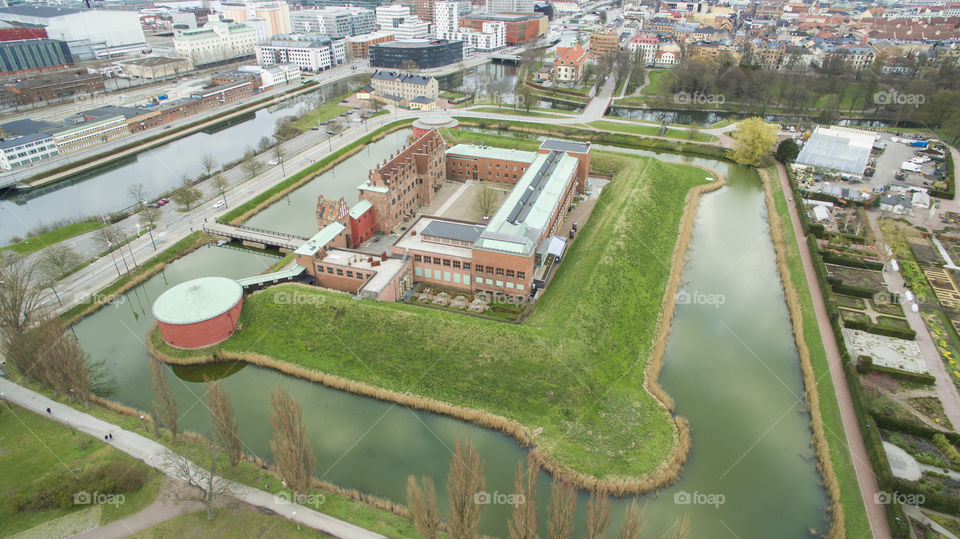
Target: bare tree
pixel 563 504
pixel 598 515
pixel 164 405
pixel 252 167
pixel 149 216
pixel 220 184
pixel 226 432
pixel 291 448
pixel 523 525
pixel 465 484
pixel 57 259
pixel 109 237
pixel 423 505
pixel 264 144
pixel 208 162
pixel 485 201
pixel 20 307
pixel 633 522
pixel 205 486
pixel 136 193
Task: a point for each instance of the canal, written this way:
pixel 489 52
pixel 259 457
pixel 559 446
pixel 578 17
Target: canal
pixel 160 169
pixel 731 366
pixel 493 82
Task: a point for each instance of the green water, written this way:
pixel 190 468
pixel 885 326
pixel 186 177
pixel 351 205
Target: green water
pixel 732 370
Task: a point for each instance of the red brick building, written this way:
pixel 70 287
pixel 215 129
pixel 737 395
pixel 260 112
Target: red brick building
pixel 520 27
pixel 199 313
pixel 406 181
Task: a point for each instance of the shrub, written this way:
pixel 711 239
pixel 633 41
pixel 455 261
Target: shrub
pixel 947 448
pixel 57 490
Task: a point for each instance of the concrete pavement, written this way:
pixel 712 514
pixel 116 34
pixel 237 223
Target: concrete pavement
pixel 157 456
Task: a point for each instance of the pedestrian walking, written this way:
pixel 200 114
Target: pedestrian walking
pixel 48 411
pixel 111 435
pixel 105 437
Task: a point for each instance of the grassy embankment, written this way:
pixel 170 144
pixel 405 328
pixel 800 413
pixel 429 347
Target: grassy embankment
pixel 519 112
pixel 845 488
pixel 651 130
pixel 576 368
pixel 46 239
pixel 229 522
pixel 39 453
pixel 327 111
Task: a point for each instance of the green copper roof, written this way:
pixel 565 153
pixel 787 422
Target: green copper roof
pixel 357 210
pixel 197 300
pixel 506 154
pixel 320 239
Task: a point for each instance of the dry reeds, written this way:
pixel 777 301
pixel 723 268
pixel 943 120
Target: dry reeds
pixel 820 444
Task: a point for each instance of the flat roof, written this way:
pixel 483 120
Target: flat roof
pixel 837 149
pixel 37 11
pixel 490 152
pixel 453 231
pixel 565 146
pixel 365 186
pixel 320 239
pixel 20 140
pixel 197 300
pixel 28 126
pixel 411 241
pixel 526 212
pixel 360 208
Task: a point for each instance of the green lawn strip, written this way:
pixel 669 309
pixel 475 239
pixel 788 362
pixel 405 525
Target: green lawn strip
pixel 327 111
pixel 36 448
pixel 281 263
pixel 660 81
pixel 46 239
pixel 856 523
pixel 518 112
pixel 572 369
pixel 173 252
pixel 228 522
pixel 650 130
pixel 309 171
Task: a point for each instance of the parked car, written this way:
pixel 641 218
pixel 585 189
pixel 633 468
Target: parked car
pixel 219 204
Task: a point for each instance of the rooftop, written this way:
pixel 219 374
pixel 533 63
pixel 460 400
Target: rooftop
pixel 151 61
pixel 320 239
pixel 453 231
pixel 360 208
pixel 402 77
pixel 565 146
pixel 26 126
pixel 37 11
pixel 197 300
pixel 489 152
pixel 19 140
pixel 845 150
pixel 415 241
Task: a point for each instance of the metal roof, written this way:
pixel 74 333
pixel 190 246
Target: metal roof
pixel 360 208
pixel 505 154
pixel 453 231
pixel 832 150
pixel 552 144
pixel 320 239
pixel 197 300
pixel 20 140
pixel 38 11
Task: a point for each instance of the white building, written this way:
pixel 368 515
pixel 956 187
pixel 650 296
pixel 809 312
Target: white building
pixel 18 151
pixel 446 19
pixel 412 28
pixel 390 16
pixel 215 41
pixel 275 13
pixel 88 33
pixel 308 52
pixel 510 6
pixel 644 49
pixel 275 75
pixel 335 22
pixel 493 36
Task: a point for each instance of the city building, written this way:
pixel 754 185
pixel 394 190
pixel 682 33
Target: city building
pixel 336 22
pixel 47 87
pixel 493 36
pixel 88 33
pixel 644 49
pixel 310 52
pixel 215 42
pixel 519 27
pixel 446 19
pixel 425 54
pixel 25 55
pixel 359 46
pixel 199 313
pixel 390 16
pixel 90 133
pixel 424 9
pixel 20 150
pixel 840 150
pixel 413 28
pixel 406 181
pixel 275 75
pixel 510 6
pixel 604 44
pixel 568 63
pixel 401 88
pixel 275 13
pixel 154 67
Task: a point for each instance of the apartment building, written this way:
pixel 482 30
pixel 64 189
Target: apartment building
pixel 275 14
pixel 406 87
pixel 644 49
pixel 334 21
pixel 214 42
pixel 604 44
pixel 310 52
pixel 568 63
pixel 359 46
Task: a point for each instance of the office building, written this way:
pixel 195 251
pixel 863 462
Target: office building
pixel 359 46
pixel 425 54
pixel 336 22
pixel 390 16
pixel 311 52
pixel 276 14
pixel 214 42
pixel 518 27
pixel 446 19
pixel 89 33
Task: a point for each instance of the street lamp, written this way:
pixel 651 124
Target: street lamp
pixel 114 257
pixel 129 248
pixel 294 515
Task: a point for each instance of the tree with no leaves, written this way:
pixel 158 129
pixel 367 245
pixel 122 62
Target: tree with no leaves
pixel 485 201
pixel 226 432
pixel 20 306
pixel 220 184
pixel 164 405
pixel 598 515
pixel 252 167
pixel 563 504
pixel 523 525
pixel 633 522
pixel 423 505
pixel 208 162
pixel 57 259
pixel 136 193
pixel 109 237
pixel 205 486
pixel 291 448
pixel 465 482
pixel 149 216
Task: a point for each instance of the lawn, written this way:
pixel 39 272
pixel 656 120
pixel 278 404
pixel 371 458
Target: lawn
pixel 322 113
pixel 574 369
pixel 650 130
pixel 660 81
pixel 42 241
pixel 228 522
pixel 517 112
pixel 34 449
pixel 855 517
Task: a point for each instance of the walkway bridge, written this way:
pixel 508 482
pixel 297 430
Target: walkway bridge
pixel 505 59
pixel 272 278
pixel 256 237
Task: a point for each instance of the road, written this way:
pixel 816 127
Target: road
pixel 158 456
pixel 869 490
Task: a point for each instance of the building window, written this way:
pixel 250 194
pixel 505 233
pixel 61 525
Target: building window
pixel 466 266
pixel 349 274
pixel 510 273
pixel 479 268
pixel 446 262
pixel 521 275
pixel 489 270
pixel 436 260
pixel 416 258
pixel 456 264
pixel 499 272
pixel 339 271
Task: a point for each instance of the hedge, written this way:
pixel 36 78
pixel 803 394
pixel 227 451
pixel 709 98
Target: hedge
pixel 950 190
pixel 878 329
pixel 851 261
pixel 866 364
pixel 850 290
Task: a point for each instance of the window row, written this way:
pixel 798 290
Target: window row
pixel 350 274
